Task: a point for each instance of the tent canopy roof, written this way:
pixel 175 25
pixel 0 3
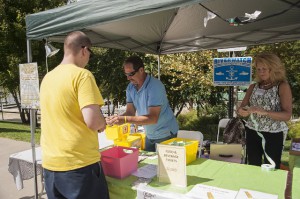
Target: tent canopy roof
pixel 168 26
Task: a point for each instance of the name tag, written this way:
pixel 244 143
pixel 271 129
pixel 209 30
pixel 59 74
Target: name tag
pixel 260 91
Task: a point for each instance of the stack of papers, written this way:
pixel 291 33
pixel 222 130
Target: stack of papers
pixel 208 192
pixel 200 191
pixel 147 171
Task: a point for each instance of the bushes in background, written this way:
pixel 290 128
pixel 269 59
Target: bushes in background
pixel 208 125
pixel 294 130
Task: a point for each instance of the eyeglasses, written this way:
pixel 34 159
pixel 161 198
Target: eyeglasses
pixel 262 69
pixel 90 51
pixel 132 73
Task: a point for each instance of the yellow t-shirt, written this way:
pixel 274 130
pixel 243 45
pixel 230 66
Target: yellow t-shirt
pixel 67 143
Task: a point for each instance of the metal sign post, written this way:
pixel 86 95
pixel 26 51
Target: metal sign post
pixel 29 89
pixel 230 102
pixel 32 131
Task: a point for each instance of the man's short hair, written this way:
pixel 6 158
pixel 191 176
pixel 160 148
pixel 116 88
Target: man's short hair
pixel 76 40
pixel 135 61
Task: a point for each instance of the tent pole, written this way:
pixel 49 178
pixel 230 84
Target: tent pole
pixel 32 128
pixel 158 67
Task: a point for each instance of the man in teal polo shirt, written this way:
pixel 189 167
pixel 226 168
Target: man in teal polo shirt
pixel 147 96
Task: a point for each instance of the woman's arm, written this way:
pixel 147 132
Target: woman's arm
pixel 241 110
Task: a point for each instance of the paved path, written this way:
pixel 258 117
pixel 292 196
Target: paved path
pixel 8 188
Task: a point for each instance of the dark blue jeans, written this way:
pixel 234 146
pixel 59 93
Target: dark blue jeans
pixel 85 183
pixel 151 143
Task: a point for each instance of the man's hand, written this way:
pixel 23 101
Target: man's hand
pixel 115 119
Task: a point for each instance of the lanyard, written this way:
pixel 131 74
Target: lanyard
pixel 263 142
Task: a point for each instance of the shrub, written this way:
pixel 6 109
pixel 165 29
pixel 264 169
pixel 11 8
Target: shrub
pixel 294 130
pixel 205 124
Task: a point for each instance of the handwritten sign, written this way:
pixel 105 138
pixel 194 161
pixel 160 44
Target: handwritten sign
pixel 29 85
pixel 172 165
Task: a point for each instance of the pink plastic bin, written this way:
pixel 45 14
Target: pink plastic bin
pixel 117 163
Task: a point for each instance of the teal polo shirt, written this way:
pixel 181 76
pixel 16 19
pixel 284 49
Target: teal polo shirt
pixel 151 94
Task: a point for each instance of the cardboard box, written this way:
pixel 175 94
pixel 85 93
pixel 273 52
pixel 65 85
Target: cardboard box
pixel 191 148
pixel 119 162
pixel 295 147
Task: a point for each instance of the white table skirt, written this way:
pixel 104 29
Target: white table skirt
pixel 21 163
pixel 21 166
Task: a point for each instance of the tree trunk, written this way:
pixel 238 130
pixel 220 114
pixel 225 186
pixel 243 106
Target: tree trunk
pixel 108 107
pixel 180 109
pixel 113 109
pixel 191 104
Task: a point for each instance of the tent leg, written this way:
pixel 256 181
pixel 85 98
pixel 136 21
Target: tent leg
pixel 32 129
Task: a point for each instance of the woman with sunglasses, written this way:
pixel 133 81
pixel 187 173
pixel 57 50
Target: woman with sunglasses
pixel 269 105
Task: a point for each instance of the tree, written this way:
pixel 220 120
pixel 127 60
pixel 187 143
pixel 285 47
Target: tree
pixel 188 79
pixel 13 43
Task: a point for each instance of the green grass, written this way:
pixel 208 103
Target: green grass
pixel 16 131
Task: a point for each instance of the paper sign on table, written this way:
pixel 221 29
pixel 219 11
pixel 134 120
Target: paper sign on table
pixel 172 165
pixel 147 192
pixel 147 171
pixel 200 191
pixel 246 194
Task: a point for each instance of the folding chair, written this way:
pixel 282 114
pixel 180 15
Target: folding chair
pixel 222 124
pixel 227 152
pixel 284 138
pixel 193 135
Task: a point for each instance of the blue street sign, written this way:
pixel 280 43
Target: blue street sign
pixel 232 71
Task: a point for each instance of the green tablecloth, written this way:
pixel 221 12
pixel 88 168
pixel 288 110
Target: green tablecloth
pixel 296 177
pixel 214 173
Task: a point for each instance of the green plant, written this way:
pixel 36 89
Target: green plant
pixel 205 124
pixel 294 130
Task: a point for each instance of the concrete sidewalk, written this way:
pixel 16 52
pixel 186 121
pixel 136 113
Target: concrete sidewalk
pixel 8 188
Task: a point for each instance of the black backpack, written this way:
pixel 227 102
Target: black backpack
pixel 234 131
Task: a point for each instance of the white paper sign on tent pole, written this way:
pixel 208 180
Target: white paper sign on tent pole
pixel 29 85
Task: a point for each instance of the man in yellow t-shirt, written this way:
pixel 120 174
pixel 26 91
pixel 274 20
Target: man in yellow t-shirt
pixel 70 119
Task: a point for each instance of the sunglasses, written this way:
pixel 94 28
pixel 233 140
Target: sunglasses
pixel 132 73
pixel 90 51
